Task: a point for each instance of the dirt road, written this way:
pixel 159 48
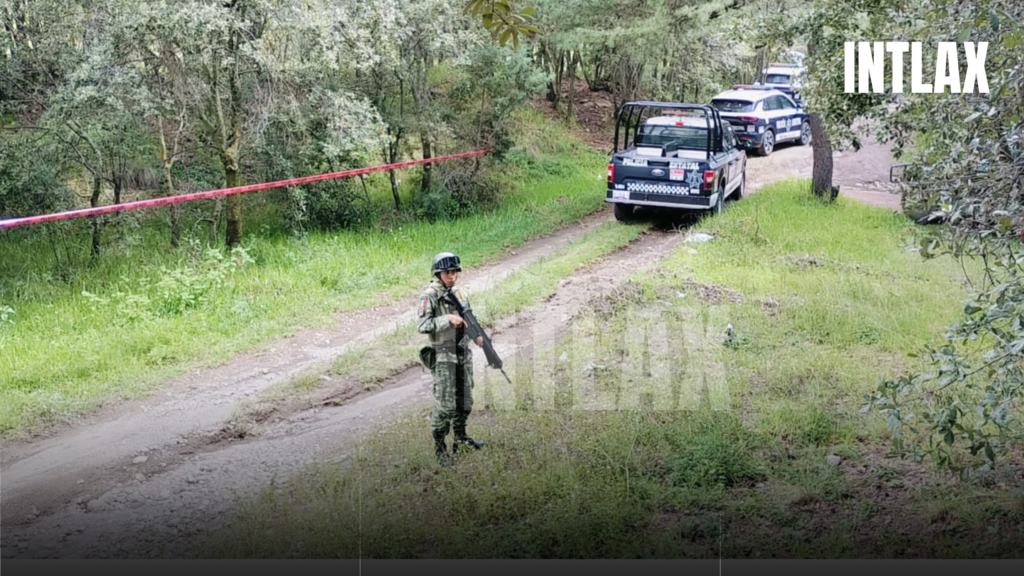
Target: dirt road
pixel 149 478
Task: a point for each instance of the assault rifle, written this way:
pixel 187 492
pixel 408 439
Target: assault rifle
pixel 475 330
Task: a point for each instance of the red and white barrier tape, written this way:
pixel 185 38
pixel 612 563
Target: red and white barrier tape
pixel 12 222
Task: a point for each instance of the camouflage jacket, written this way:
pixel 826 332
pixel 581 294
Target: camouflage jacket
pixel 432 315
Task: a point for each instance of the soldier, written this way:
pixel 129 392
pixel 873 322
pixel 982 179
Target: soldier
pixel 448 356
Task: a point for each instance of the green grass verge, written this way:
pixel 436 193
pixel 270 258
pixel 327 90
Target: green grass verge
pixel 370 364
pixel 154 314
pixel 824 303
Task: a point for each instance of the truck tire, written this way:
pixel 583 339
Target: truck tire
pixel 720 203
pixel 623 212
pixel 742 188
pixel 767 143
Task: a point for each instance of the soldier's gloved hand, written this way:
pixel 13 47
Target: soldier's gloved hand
pixel 456 320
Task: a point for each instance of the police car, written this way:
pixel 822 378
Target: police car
pixel 762 118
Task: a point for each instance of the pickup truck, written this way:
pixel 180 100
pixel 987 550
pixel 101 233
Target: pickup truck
pixel 673 155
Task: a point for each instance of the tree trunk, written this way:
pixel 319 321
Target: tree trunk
pixel 229 157
pixel 572 86
pixel 167 160
pixel 394 190
pixel 559 72
pixel 583 73
pixel 233 235
pixel 94 201
pixel 821 174
pixel 420 87
pixel 549 65
pixel 175 211
pixel 427 154
pixel 392 153
pixel 366 192
pixel 215 220
pixel 232 146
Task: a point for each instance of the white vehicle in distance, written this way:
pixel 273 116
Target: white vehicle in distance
pixel 786 78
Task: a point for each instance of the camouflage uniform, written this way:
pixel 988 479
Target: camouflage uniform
pixel 453 361
pixel 452 367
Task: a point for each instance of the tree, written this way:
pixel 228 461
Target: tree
pixel 160 67
pixel 232 55
pixel 967 162
pixel 73 87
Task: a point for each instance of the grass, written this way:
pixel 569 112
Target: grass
pixel 155 313
pixel 824 303
pixel 370 364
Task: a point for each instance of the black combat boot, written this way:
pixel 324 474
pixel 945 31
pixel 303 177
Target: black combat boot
pixel 461 438
pixel 441 449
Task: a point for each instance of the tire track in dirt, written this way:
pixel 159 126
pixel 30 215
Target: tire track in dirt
pixel 98 452
pixel 166 512
pixel 142 479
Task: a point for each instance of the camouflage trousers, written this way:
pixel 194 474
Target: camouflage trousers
pixel 453 395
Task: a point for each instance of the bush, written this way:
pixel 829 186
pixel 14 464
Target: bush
pixel 176 291
pixel 331 205
pixel 30 184
pixel 459 192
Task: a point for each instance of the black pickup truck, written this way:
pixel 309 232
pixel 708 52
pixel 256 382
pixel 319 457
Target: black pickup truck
pixel 673 155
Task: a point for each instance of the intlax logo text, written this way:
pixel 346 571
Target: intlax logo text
pixel 870 67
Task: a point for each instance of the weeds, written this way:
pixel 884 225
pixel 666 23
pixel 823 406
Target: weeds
pixel 755 476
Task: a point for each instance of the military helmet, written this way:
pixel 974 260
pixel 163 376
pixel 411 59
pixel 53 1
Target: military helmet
pixel 446 261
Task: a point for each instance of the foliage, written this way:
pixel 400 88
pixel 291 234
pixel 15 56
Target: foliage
pixel 826 27
pixel 493 86
pixel 966 165
pixel 666 50
pixel 502 20
pixel 28 185
pixel 294 283
pixel 974 399
pixel 181 289
pixel 128 89
pixel 329 131
pixel 172 291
